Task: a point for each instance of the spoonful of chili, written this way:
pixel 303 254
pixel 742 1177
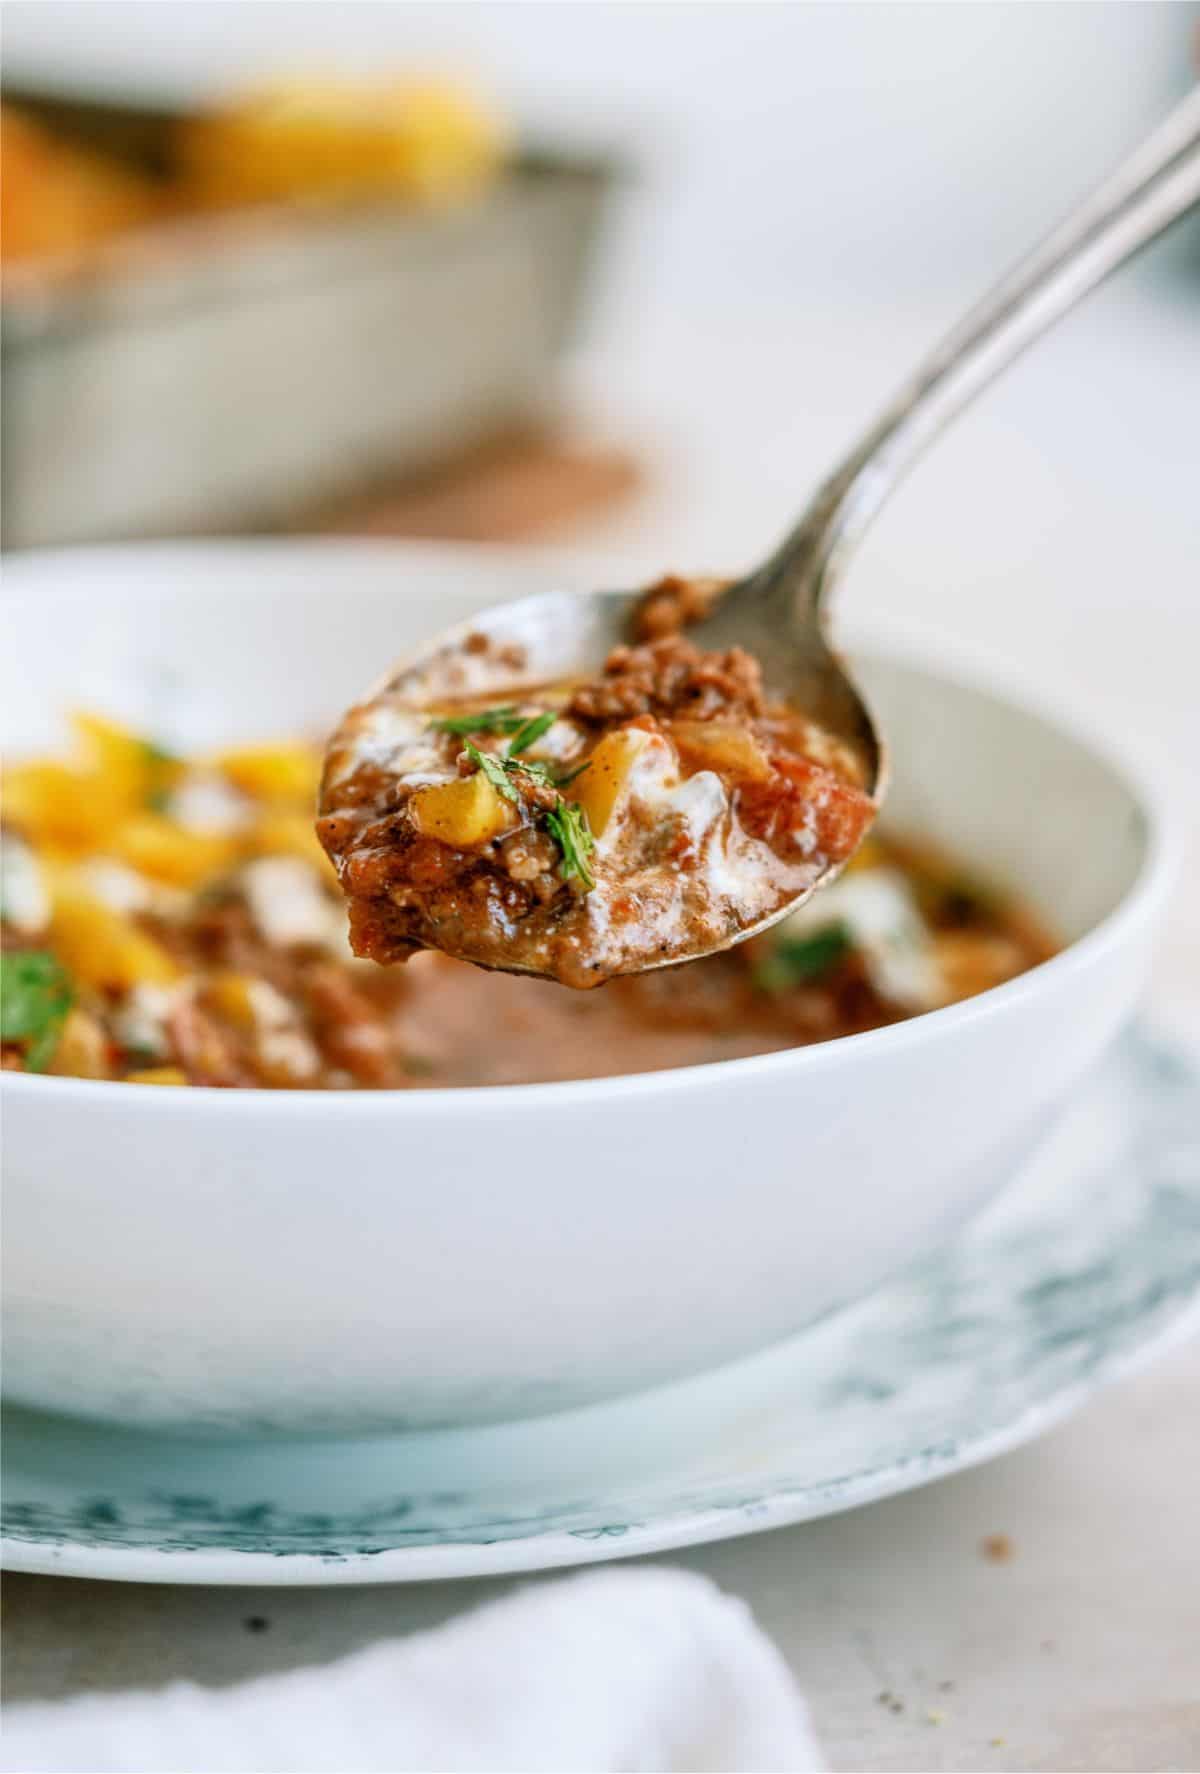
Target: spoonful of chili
pixel 584 785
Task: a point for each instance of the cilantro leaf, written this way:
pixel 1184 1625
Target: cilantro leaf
pixel 35 996
pixel 484 720
pixel 546 773
pixel 493 769
pixel 799 960
pixel 568 826
pixel 530 731
pixel 529 767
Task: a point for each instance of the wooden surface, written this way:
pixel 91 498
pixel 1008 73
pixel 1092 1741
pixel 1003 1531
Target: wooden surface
pixel 526 485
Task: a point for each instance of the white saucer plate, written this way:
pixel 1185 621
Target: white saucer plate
pixel 1087 1266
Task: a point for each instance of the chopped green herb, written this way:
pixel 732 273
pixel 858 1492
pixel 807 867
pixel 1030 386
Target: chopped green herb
pixel 484 720
pixel 568 826
pixel 493 769
pixel 539 773
pixel 799 960
pixel 35 996
pixel 530 731
pixel 545 772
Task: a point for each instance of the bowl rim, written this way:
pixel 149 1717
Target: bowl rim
pixel 960 663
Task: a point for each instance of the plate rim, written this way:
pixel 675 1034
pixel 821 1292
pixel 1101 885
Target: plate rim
pixel 560 1548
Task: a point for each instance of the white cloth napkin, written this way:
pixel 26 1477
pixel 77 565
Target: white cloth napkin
pixel 648 1669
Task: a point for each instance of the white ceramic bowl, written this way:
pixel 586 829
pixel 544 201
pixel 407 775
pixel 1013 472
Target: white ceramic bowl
pixel 341 1261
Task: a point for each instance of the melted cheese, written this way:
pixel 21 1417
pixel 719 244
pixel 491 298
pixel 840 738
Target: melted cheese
pixel 396 740
pixel 289 904
pixel 116 885
pixel 205 802
pixel 283 1044
pixel 879 911
pixel 23 896
pixel 141 1022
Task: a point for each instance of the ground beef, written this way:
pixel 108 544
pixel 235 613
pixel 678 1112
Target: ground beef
pixel 536 792
pixel 529 855
pixel 671 677
pixel 507 654
pixel 208 1052
pixel 671 605
pixel 354 1034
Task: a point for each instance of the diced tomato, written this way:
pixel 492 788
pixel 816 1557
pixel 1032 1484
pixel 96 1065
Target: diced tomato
pixel 802 796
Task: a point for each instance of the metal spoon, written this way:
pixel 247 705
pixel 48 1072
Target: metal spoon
pixel 780 612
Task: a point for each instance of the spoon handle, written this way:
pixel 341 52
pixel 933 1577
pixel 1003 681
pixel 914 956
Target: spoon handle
pixel 1152 188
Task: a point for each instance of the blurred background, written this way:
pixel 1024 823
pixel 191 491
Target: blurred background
pixel 622 274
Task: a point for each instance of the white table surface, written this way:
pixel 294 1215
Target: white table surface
pixel 1063 532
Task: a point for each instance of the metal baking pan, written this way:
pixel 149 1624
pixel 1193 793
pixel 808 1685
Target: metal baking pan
pixel 226 373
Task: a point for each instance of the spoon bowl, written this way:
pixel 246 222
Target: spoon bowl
pixel 564 635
